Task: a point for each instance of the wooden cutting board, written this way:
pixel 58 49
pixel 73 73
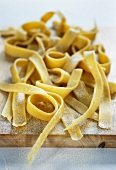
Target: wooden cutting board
pixel 27 135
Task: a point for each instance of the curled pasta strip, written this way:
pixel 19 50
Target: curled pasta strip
pixel 63 91
pixel 90 59
pixel 15 105
pixel 81 44
pixel 36 101
pixel 33 27
pixel 14 69
pixel 103 59
pixel 15 51
pixel 105 117
pixel 55 59
pixel 46 17
pixel 29 71
pixel 91 34
pixel 41 68
pixel 43 37
pixel 67 40
pixel 65 27
pixel 49 127
pixel 59 76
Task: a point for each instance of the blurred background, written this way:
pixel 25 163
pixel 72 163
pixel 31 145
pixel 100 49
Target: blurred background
pixel 79 12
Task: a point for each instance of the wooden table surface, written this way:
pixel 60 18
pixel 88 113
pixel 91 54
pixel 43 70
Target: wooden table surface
pixel 27 135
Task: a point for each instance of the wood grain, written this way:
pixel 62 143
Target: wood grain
pixel 27 135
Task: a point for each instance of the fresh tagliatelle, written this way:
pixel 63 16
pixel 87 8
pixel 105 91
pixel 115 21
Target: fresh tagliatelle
pixel 56 73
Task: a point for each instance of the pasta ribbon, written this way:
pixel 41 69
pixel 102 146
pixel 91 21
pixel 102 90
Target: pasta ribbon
pixel 41 68
pixel 36 100
pixel 92 65
pixel 15 51
pixel 79 107
pixel 63 44
pixel 49 127
pixel 67 117
pixel 59 76
pixel 29 71
pixel 81 43
pixel 88 79
pixel 18 108
pixel 102 57
pixel 72 62
pixel 54 59
pixel 91 34
pixel 63 91
pixel 7 111
pixel 21 87
pixel 105 104
pixel 46 17
pixel 33 27
pixel 14 69
pixel 81 94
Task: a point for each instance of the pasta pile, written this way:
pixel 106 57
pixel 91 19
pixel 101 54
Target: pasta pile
pixel 56 70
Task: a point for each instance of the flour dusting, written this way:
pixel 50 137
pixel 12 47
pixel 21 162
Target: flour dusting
pixel 20 97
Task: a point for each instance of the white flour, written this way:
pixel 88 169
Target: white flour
pixel 20 97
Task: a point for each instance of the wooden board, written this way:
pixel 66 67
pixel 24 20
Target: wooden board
pixel 27 135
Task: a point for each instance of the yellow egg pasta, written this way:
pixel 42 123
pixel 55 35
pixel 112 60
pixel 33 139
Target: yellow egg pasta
pixel 92 65
pixel 105 117
pixel 81 94
pixel 79 107
pixel 67 118
pixel 49 127
pixel 18 109
pixel 63 91
pixel 112 87
pixel 7 111
pixel 56 74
